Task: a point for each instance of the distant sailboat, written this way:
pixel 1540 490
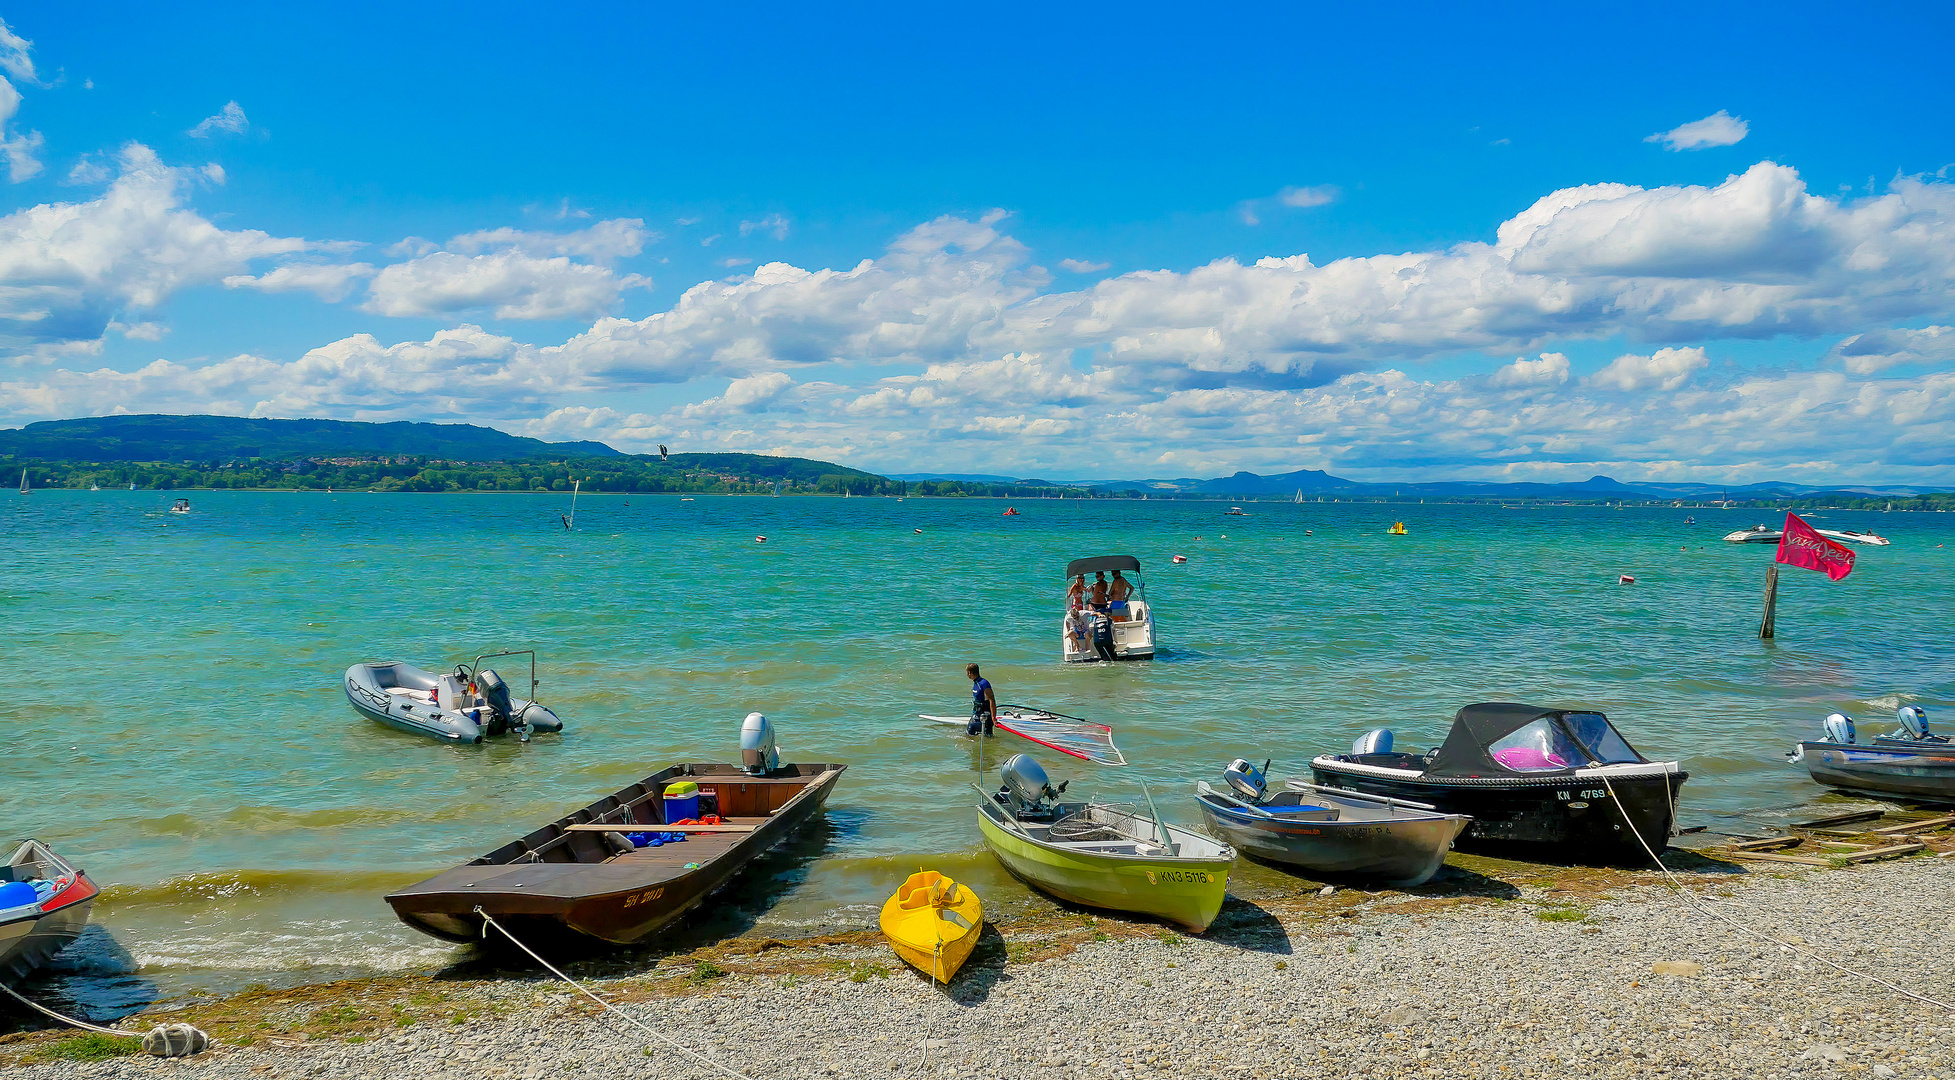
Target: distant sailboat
pixel 94 487
pixel 1299 495
pixel 777 489
pixel 132 485
pixel 23 482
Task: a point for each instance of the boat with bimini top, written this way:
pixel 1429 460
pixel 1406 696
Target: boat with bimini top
pixel 1106 620
pixel 1563 780
pixel 1911 762
pixel 618 871
pixel 464 706
pixel 1103 855
pixel 44 905
pixel 1327 830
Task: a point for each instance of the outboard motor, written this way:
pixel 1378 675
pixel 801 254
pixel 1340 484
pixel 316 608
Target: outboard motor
pixel 1375 741
pixel 1027 787
pixel 758 753
pixel 1914 721
pixel 495 692
pixel 1246 779
pixel 1839 729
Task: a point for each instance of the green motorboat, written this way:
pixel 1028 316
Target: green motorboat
pixel 1102 855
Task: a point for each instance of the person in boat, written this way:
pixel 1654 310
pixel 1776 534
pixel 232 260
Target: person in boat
pixel 984 703
pixel 1076 593
pixel 1076 630
pixel 1099 592
pixel 1118 591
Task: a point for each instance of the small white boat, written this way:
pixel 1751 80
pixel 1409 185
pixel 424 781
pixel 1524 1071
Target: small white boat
pixel 181 506
pixel 465 706
pixel 1235 511
pixel 24 489
pixel 1765 534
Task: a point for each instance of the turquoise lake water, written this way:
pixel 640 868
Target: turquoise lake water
pixel 171 683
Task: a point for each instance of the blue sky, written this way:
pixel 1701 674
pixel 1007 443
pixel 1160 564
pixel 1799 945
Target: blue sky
pixel 1686 242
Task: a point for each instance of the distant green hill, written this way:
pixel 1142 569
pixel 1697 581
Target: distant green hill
pixel 241 452
pixel 161 438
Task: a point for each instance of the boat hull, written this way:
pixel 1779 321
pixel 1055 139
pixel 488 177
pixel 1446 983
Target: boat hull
pixel 1925 774
pixel 927 938
pixel 1188 892
pixel 625 901
pixel 28 941
pixel 1574 816
pixel 1401 853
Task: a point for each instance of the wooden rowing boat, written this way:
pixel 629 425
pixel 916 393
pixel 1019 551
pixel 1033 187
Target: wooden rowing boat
pixel 579 879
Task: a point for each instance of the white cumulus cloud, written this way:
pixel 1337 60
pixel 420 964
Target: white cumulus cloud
pixel 67 269
pixel 512 284
pixel 230 120
pixel 774 225
pixel 1666 369
pixel 1718 129
pixel 331 282
pixel 1878 350
pixel 18 147
pixel 1081 266
pixel 617 238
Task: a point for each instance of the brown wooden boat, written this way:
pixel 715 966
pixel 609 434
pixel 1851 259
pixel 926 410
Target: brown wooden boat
pixel 568 880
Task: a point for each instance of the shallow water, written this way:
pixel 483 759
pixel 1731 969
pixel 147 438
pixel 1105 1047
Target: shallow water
pixel 172 681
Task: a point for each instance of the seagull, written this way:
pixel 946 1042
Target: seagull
pixel 663 455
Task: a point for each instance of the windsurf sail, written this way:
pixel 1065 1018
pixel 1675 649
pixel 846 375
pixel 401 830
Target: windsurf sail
pixel 1056 731
pixel 1066 734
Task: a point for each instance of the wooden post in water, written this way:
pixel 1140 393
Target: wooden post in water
pixel 1771 602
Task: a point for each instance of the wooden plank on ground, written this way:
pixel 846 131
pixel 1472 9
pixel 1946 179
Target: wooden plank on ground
pixel 1839 819
pixel 1769 843
pixel 1765 856
pixel 621 828
pixel 1927 825
pixel 1885 852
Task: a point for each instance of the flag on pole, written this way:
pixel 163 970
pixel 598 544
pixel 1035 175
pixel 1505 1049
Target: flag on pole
pixel 1801 545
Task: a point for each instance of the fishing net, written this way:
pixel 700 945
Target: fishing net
pixel 1102 821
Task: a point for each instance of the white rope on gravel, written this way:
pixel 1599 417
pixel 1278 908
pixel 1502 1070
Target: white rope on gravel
pixel 1697 903
pixel 488 921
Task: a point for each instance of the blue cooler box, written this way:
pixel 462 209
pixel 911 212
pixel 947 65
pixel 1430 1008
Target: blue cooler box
pixel 681 801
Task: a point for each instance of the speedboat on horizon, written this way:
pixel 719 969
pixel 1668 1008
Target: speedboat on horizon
pixel 1766 534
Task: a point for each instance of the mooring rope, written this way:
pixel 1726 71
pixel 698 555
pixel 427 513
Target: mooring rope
pixel 45 1011
pixel 488 921
pixel 1698 903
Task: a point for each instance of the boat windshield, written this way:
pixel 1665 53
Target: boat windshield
pixel 1541 746
pixel 1600 738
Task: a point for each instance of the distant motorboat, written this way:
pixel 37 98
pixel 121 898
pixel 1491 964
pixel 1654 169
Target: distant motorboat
pixel 181 506
pixel 1235 511
pixel 1766 534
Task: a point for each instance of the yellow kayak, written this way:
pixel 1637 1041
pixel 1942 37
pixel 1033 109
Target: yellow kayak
pixel 934 923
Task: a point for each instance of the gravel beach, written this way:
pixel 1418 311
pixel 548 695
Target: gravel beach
pixel 1603 973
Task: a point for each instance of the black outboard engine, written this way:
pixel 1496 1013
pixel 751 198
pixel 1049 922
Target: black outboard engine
pixel 496 693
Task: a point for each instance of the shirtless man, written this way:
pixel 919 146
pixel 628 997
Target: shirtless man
pixel 1099 592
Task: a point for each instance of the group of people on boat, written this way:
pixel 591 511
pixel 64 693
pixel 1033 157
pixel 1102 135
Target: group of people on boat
pixel 1090 611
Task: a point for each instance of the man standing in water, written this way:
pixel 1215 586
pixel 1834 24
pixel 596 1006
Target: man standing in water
pixel 984 703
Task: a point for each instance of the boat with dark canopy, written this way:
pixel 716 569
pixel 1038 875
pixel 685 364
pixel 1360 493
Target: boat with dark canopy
pixel 1121 630
pixel 1910 763
pixel 1561 779
pixel 616 872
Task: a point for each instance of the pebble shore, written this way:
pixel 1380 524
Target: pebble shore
pixel 1622 979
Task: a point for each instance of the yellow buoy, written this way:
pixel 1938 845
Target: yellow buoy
pixel 933 922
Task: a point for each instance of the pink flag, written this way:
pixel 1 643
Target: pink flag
pixel 1803 546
